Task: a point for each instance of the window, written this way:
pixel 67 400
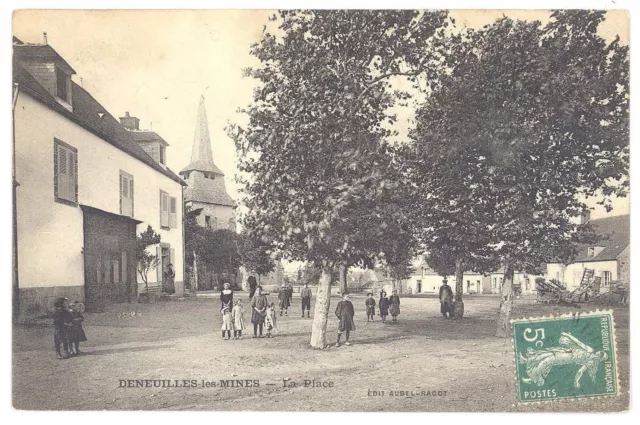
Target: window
pixel 495 283
pixel 162 153
pixel 207 221
pixel 591 251
pixel 168 211
pixel 501 280
pixel 61 85
pixel 126 194
pixel 65 170
pixel 606 278
pixel 232 224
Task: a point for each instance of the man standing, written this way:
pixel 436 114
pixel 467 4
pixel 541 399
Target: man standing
pixel 253 284
pixel 345 313
pixel 446 297
pixel 305 295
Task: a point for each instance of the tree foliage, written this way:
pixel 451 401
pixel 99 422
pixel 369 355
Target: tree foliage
pixel 146 261
pixel 530 120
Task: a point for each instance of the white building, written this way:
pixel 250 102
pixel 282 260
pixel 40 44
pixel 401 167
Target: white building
pixel 85 189
pixel 425 280
pixel 609 258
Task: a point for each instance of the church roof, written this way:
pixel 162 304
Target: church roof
pixel 201 155
pixel 199 194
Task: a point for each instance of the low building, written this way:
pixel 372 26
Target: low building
pixel 84 190
pixel 608 258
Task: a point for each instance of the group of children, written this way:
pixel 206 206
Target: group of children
pixel 233 317
pixel 386 306
pixel 67 322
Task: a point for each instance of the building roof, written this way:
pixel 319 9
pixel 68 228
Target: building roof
pixel 203 195
pixel 142 136
pixel 614 234
pixel 40 52
pixel 91 115
pixel 201 155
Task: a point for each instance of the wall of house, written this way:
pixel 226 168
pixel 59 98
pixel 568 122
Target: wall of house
pixel 224 215
pixel 431 283
pixel 571 275
pixel 623 267
pixel 50 234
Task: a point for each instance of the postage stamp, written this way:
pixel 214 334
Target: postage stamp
pixel 565 357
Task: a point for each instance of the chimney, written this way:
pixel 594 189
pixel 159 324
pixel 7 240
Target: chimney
pixel 585 217
pixel 129 122
pixel 44 38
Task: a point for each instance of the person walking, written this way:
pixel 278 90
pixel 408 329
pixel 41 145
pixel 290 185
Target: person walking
pixel 305 296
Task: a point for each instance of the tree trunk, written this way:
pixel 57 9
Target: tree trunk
pixel 343 279
pixel 321 312
pixel 506 302
pixel 458 306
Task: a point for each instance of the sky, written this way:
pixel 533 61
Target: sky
pixel 156 65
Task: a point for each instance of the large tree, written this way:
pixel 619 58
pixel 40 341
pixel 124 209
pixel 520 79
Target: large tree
pixel 545 109
pixel 312 146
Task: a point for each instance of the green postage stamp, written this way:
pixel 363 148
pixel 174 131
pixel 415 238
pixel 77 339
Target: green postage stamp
pixel 565 357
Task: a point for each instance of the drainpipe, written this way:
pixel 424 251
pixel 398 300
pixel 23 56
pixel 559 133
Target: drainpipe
pixel 184 245
pixel 16 285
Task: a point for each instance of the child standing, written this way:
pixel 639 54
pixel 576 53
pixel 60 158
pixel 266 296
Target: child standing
pixel 238 319
pixel 227 319
pixel 370 303
pixel 383 306
pixel 77 334
pixel 394 305
pixel 62 323
pixel 270 319
pixel 345 313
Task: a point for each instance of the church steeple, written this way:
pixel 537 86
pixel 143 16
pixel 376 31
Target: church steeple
pixel 205 181
pixel 201 156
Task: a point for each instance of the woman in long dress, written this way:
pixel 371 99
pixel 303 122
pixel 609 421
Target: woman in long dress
pixel 383 306
pixel 394 305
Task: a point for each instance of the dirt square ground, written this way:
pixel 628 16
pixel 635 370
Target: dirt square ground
pixel 422 363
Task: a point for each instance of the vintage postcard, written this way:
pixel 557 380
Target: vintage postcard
pixel 321 210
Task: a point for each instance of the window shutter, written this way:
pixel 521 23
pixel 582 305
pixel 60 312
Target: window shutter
pixel 159 267
pixel 121 200
pixel 116 271
pixel 99 270
pixel 75 176
pixel 123 268
pixel 55 169
pixel 131 195
pixel 173 216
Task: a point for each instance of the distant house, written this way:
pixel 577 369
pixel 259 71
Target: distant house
pixel 609 258
pixel 426 280
pixel 84 189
